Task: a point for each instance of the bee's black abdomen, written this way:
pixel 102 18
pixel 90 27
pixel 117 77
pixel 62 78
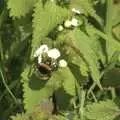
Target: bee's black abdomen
pixel 44 69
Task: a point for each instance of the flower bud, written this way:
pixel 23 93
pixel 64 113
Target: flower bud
pixel 60 28
pixel 62 63
pixel 74 22
pixel 75 11
pixel 67 24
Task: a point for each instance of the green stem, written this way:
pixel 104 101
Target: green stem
pixel 3 16
pixel 81 110
pixel 103 35
pixel 11 86
pixel 91 89
pixel 79 92
pixel 1 50
pixel 99 20
pixel 108 27
pixel 6 86
pixel 113 93
pixel 95 99
pixel 78 88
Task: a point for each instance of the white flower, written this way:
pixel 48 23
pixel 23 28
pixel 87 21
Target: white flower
pixel 39 59
pixel 74 22
pixel 78 11
pixel 37 52
pixel 62 63
pixel 75 11
pixel 43 48
pixel 67 23
pixel 60 28
pixel 53 53
pixel 40 50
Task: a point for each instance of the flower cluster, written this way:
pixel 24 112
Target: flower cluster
pixel 53 54
pixel 71 22
pixel 77 11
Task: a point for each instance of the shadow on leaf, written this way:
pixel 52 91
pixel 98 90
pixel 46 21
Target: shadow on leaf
pixel 117 118
pixel 62 99
pixel 36 83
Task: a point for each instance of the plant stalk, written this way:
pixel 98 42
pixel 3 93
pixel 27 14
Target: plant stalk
pixel 1 50
pixel 6 86
pixel 81 109
pixel 108 27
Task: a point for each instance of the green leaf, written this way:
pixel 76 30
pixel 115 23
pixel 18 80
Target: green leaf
pixel 86 7
pixel 66 92
pixel 111 44
pixel 82 43
pixel 79 72
pixel 111 78
pixel 46 18
pixel 97 43
pixel 35 90
pixel 116 32
pixel 69 81
pixel 21 116
pixel 71 54
pixel 20 8
pixel 116 14
pixel 104 110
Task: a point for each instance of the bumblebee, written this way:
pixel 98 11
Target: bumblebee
pixel 45 69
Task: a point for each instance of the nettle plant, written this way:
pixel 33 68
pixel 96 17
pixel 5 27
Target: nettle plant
pixel 63 57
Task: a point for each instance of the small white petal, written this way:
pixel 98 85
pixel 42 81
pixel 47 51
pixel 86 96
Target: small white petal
pixel 40 50
pixel 37 52
pixel 62 63
pixel 75 11
pixel 78 11
pixel 35 55
pixel 43 48
pixel 60 28
pixel 39 59
pixel 54 53
pixel 67 23
pixel 74 22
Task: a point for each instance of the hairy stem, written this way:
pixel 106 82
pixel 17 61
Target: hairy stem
pixel 3 16
pixel 81 110
pixel 93 95
pixel 6 86
pixel 91 89
pixel 1 50
pixel 108 27
pixel 11 86
pixel 113 93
